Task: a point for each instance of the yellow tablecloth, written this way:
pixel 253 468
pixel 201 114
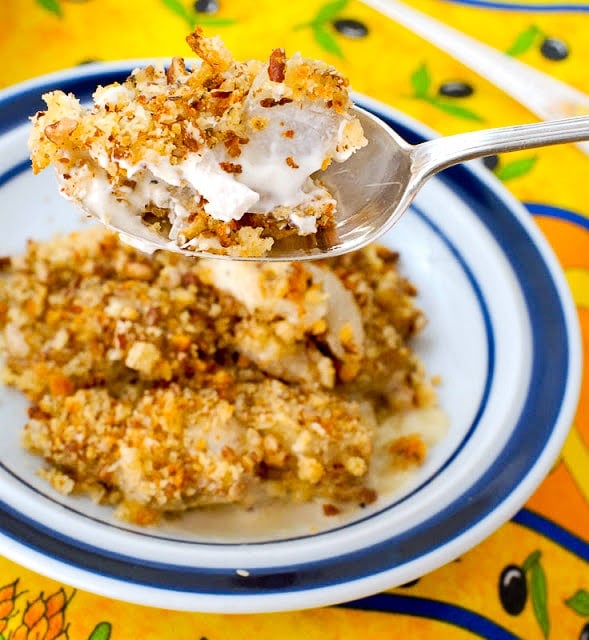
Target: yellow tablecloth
pixel 386 61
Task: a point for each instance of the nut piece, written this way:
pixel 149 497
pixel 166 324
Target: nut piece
pixel 277 65
pixel 176 70
pixel 57 131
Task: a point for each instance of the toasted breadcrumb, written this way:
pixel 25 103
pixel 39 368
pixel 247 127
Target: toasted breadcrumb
pixel 143 141
pixel 157 387
pixel 408 450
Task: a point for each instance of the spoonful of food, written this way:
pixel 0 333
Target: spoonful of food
pixel 376 185
pixel 372 189
pixel 248 160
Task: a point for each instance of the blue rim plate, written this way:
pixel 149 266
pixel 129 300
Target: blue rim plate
pixel 503 335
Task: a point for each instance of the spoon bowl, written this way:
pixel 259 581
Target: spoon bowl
pixel 377 184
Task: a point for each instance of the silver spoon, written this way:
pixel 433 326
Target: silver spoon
pixel 377 184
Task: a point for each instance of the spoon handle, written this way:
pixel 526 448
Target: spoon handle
pixel 437 154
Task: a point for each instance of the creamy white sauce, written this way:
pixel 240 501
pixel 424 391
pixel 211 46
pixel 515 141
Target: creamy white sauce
pixel 227 199
pixel 305 224
pixel 266 179
pixel 316 134
pixel 274 171
pixel 95 197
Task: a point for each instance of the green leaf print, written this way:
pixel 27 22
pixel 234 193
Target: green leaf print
pixel 192 18
pixel 539 597
pixel 524 41
pixel 329 11
pixel 320 26
pixel 579 602
pixel 181 11
pixel 101 631
pixel 513 170
pixel 538 590
pixel 530 561
pixel 52 6
pixel 326 41
pixel 421 81
pixel 454 109
pixel 207 21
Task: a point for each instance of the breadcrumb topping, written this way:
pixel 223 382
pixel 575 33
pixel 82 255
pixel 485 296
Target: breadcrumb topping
pixel 159 384
pixel 195 153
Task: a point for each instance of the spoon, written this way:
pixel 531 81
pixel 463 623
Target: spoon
pixel 376 185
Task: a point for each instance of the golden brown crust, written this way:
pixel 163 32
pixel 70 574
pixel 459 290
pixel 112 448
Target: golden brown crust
pixel 210 50
pixel 172 115
pixel 153 387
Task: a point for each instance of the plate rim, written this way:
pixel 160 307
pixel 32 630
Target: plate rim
pixel 322 596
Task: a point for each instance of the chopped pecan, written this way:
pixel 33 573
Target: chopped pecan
pixel 230 167
pixel 221 94
pixel 233 143
pixel 270 102
pixel 176 70
pixel 57 131
pixel 189 140
pixel 277 65
pixel 367 496
pixel 330 510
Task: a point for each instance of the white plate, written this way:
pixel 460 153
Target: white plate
pixel 503 335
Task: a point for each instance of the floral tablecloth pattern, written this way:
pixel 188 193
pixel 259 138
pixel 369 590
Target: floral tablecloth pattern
pixel 548 540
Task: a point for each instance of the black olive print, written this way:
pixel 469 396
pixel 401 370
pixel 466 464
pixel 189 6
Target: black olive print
pixel 513 589
pixel 350 28
pixel 491 162
pixel 456 89
pixel 206 6
pixel 584 635
pixel 554 49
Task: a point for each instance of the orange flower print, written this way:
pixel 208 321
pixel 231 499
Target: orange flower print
pixel 55 612
pixel 8 596
pixel 44 618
